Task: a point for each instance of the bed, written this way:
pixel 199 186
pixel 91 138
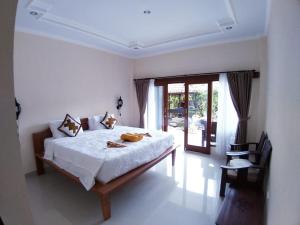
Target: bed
pixel 98 172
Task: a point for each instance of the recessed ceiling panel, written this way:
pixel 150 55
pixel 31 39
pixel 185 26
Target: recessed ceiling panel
pixel 136 24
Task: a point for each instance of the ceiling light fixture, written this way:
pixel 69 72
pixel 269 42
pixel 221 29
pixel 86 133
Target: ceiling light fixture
pixel 229 28
pixel 134 45
pixel 33 13
pixel 147 12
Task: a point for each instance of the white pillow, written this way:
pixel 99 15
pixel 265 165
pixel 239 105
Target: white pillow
pixel 54 129
pixel 94 122
pixel 90 123
pixel 53 125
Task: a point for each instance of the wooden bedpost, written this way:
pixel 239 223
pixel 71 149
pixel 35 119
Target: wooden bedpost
pixel 105 205
pixel 40 170
pixel 38 145
pixel 173 156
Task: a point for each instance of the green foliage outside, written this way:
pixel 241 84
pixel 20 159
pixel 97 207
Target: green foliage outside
pixel 197 103
pixel 214 105
pixel 175 100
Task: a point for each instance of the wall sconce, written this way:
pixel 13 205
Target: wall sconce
pixel 18 108
pixel 119 105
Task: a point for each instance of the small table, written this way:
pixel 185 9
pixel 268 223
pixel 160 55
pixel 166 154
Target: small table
pixel 242 206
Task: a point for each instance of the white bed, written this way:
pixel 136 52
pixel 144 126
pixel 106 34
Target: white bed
pixel 87 157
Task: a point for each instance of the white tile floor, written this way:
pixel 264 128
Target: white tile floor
pixel 186 194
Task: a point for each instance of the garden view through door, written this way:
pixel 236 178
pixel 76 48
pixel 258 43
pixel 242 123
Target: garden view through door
pixel 190 108
pixel 196 134
pixel 176 111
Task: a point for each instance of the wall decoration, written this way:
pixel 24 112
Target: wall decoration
pixel 18 108
pixel 119 105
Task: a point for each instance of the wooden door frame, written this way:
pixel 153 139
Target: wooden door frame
pixel 165 108
pixel 205 79
pixel 202 149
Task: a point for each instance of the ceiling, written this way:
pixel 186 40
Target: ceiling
pixel 138 28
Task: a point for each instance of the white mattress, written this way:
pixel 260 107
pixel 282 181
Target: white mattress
pixel 87 157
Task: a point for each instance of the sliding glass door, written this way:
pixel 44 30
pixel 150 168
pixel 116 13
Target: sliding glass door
pixel 188 112
pixel 198 116
pixel 176 110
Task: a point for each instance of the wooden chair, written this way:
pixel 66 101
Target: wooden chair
pixel 243 150
pixel 243 171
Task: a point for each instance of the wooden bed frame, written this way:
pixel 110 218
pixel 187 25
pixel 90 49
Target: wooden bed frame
pixel 103 190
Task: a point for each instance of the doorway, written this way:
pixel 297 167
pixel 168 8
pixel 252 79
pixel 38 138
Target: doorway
pixel 189 106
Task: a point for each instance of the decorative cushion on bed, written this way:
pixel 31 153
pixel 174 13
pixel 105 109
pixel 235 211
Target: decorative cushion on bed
pixel 53 125
pixel 94 122
pixel 109 121
pixel 70 126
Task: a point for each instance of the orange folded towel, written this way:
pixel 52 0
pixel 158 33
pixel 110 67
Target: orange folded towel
pixel 132 137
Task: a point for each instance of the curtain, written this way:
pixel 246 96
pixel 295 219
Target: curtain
pixel 142 87
pixel 226 118
pixel 153 112
pixel 240 84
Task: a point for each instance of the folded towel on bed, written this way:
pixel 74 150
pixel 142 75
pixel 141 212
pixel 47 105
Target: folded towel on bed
pixel 111 144
pixel 131 137
pixel 134 137
pixel 147 135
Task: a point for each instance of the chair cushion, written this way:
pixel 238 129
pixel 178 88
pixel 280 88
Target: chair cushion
pixel 240 163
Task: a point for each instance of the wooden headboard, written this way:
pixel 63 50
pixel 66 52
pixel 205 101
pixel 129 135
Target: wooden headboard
pixel 39 137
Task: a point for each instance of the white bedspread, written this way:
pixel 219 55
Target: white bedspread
pixel 87 157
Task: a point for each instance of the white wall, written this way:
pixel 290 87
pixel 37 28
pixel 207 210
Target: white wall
pixel 14 207
pixel 262 90
pixel 243 55
pixel 53 78
pixel 283 112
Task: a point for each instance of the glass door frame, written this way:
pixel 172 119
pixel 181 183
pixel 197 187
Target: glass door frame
pixel 203 149
pixel 187 80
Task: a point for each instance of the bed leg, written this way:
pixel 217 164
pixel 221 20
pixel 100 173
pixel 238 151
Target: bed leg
pixel 173 157
pixel 39 166
pixel 105 206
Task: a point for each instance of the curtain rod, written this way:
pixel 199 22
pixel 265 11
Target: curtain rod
pixel 256 75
